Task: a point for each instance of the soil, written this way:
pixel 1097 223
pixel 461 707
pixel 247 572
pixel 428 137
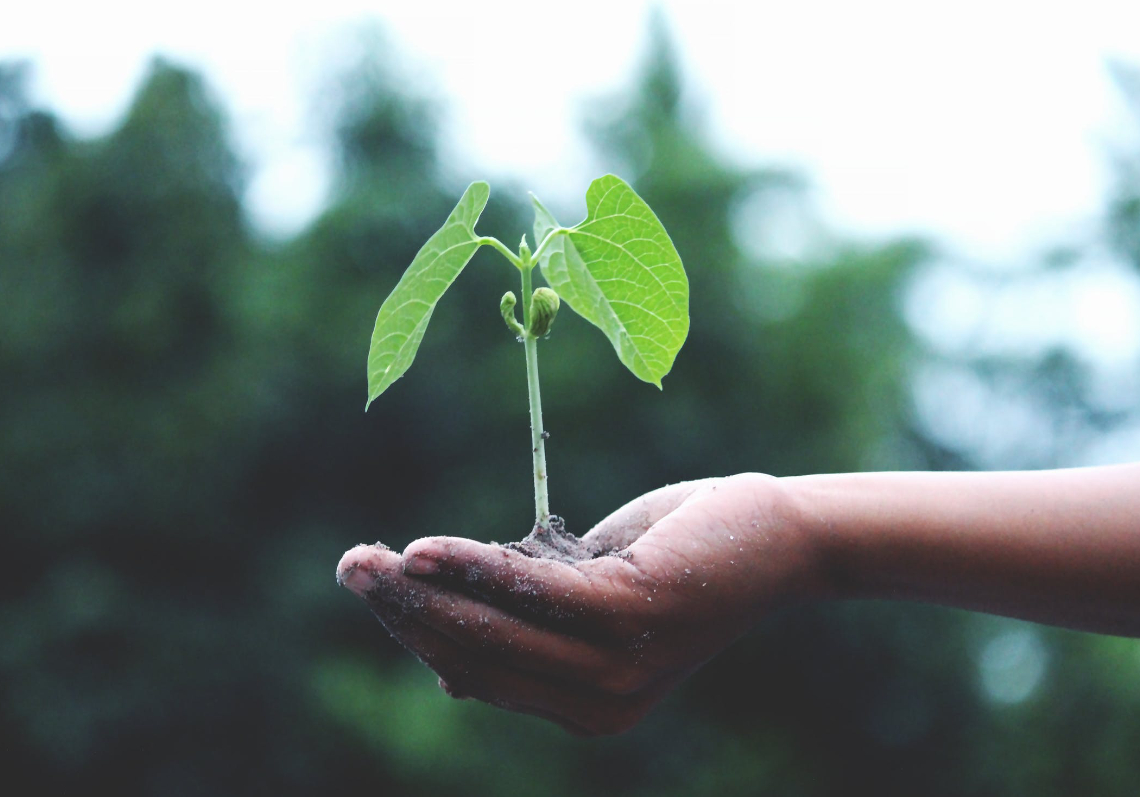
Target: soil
pixel 562 546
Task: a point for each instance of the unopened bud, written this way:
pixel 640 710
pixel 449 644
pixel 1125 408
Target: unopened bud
pixel 507 308
pixel 543 308
pixel 524 250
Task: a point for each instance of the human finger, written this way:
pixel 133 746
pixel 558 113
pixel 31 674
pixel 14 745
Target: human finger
pixel 580 711
pixel 511 580
pixel 360 567
pixel 515 642
pixel 626 524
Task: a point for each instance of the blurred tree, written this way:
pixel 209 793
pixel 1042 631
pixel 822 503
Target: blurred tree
pixel 132 655
pixel 1053 401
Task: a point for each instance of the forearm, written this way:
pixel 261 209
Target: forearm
pixel 1059 547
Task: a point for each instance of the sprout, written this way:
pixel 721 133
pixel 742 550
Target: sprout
pixel 617 269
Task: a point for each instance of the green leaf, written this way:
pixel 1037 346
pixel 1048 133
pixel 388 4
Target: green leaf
pixel 404 316
pixel 619 270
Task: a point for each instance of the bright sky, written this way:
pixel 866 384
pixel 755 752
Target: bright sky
pixel 986 123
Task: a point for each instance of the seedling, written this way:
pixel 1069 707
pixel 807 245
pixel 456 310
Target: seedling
pixel 617 269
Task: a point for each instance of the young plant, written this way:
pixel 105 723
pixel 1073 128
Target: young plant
pixel 617 269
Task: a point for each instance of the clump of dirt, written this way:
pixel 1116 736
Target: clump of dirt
pixel 563 546
pixel 554 543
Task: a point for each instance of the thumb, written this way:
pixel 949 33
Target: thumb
pixel 626 525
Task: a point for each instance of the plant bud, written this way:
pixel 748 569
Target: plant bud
pixel 507 308
pixel 543 308
pixel 524 250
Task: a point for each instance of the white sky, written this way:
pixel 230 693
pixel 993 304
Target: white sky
pixel 984 123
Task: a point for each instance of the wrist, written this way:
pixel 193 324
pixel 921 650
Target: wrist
pixel 818 511
pixel 786 541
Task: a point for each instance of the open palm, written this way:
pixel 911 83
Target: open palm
pixel 595 644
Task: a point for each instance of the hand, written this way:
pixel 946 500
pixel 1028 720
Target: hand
pixel 595 644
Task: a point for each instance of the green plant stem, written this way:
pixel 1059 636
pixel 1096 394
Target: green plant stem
pixel 538 443
pixel 549 237
pixel 495 243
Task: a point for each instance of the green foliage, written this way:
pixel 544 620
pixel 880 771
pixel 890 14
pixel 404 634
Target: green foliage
pixel 404 316
pixel 619 270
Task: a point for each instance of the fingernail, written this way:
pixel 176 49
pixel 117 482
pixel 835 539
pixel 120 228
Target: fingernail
pixel 357 570
pixel 420 566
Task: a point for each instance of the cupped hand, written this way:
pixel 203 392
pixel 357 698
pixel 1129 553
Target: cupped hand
pixel 595 644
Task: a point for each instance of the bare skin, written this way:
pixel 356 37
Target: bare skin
pixel 594 645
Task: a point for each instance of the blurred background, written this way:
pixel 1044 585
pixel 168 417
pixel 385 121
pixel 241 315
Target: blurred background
pixel 913 241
